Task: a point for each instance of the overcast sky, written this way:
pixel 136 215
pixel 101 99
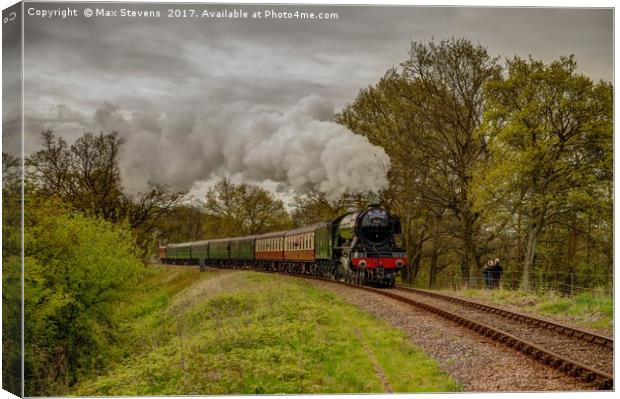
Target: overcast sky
pixel 195 97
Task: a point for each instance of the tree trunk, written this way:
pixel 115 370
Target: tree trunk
pixel 415 267
pixel 432 274
pixel 519 251
pixel 534 228
pixel 414 253
pixel 471 256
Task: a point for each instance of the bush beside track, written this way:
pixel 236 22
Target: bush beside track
pixel 223 332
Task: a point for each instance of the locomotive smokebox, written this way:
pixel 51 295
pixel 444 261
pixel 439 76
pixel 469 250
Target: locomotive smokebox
pixel 375 226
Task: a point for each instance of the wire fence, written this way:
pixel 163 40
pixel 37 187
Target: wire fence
pixel 563 282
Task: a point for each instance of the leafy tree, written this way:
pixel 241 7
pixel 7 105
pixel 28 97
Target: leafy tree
pixel 242 209
pixel 77 270
pixel 550 143
pixel 425 114
pixel 184 223
pixel 11 273
pixel 314 206
pixel 86 176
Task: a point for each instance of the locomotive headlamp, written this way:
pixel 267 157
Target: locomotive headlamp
pixel 356 255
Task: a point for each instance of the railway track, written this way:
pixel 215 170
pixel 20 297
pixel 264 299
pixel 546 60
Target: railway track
pixel 586 336
pixel 579 353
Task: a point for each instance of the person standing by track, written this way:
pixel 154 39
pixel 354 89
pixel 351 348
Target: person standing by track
pixel 487 274
pixel 496 274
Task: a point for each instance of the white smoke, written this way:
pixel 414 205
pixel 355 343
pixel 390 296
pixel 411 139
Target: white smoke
pixel 299 147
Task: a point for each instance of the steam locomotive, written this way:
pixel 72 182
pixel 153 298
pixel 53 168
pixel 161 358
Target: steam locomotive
pixel 361 247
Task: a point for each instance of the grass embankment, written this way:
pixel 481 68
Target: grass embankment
pixel 244 332
pixel 590 309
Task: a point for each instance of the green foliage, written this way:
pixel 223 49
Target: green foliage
pixel 86 176
pixel 550 144
pixel 11 274
pixel 183 223
pixel 242 209
pixel 248 333
pixel 77 271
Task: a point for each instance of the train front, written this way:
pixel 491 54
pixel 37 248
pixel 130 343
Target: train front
pixel 374 250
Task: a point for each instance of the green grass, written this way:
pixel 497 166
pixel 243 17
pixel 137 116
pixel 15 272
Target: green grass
pixel 589 309
pixel 247 333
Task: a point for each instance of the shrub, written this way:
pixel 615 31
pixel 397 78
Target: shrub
pixel 77 270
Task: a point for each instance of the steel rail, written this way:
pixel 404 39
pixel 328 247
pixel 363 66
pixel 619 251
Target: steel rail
pixel 587 336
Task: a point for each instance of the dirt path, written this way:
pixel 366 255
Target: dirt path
pixel 375 363
pixel 477 362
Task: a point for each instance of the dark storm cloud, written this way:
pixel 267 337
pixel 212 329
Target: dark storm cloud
pixel 11 82
pixel 185 83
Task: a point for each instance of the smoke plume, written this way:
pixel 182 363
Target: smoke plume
pixel 299 147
